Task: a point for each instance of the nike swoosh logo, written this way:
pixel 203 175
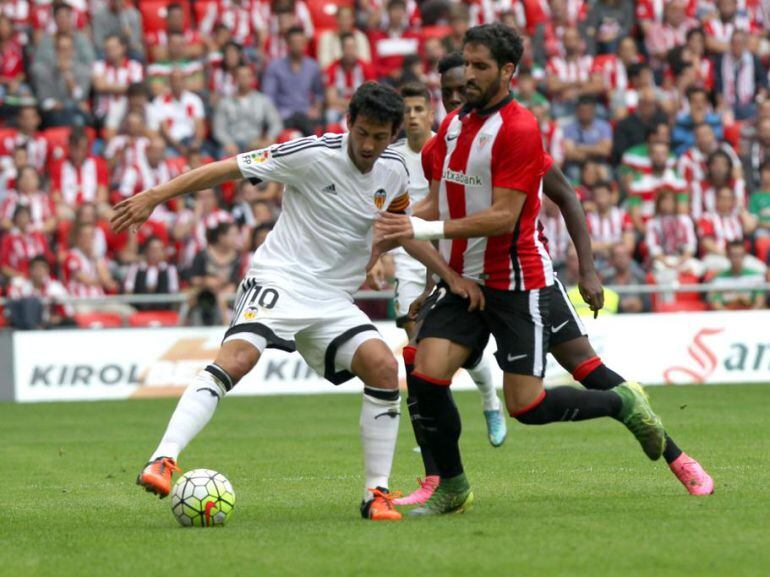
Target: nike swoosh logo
pixel 210 390
pixel 555 330
pixel 511 358
pixel 450 138
pixel 391 414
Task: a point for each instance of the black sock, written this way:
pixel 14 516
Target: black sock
pixel 571 404
pixel 441 424
pixel 594 374
pixel 419 434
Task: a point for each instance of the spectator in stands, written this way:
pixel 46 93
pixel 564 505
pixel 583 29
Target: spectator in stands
pixel 720 29
pixel 112 76
pixel 719 173
pixel 80 177
pixel 159 73
pixel 295 86
pixel 179 116
pixel 120 18
pixel 153 274
pixel 668 34
pixel 634 129
pixel 62 88
pixel 700 111
pixel 85 214
pixel 556 232
pixel 9 170
pixel 157 41
pixel 222 73
pixel 343 77
pixel 64 21
pixel 21 244
pixel 190 226
pixel 215 275
pixel 28 194
pixel 759 201
pixel 331 42
pixel 570 278
pixel 526 92
pixel 586 138
pixel 25 294
pixel 137 101
pixel 392 44
pixel 636 160
pixel 645 187
pixel 725 224
pixel 459 22
pixel 608 224
pixel 626 272
pixel 246 121
pixel 29 136
pixel 671 241
pixel 607 23
pixel 740 79
pixel 147 171
pixel 737 273
pixel 693 164
pixel 87 275
pixel 569 76
pixel 126 149
pixel 12 69
pixel 757 152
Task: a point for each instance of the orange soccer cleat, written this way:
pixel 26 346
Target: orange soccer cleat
pixel 156 476
pixel 380 507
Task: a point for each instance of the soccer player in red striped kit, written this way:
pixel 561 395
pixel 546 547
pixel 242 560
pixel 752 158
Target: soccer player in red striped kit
pixel 491 160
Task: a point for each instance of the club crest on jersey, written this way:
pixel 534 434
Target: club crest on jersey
pixel 379 198
pixel 483 139
pixel 461 178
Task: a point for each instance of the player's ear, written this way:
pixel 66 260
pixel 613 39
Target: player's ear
pixel 509 69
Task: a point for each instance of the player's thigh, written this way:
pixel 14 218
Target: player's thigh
pixel 519 321
pixel 521 392
pixel 449 335
pixel 571 354
pixel 329 345
pixel 568 341
pixel 373 362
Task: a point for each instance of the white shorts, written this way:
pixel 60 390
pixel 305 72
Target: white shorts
pixel 410 283
pixel 325 328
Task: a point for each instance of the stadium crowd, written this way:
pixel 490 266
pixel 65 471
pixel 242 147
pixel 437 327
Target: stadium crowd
pixel 658 111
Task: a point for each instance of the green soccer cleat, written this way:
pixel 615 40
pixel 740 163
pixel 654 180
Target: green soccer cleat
pixel 637 415
pixel 452 496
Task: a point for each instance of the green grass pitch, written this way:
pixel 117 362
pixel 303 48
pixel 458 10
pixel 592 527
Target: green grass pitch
pixel 566 499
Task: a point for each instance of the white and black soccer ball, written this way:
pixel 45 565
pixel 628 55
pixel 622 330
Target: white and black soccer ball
pixel 202 498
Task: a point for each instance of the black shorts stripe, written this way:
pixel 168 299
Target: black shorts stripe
pixel 273 340
pixel 330 373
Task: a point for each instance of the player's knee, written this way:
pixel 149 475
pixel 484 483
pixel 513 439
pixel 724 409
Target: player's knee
pixel 238 361
pixel 383 372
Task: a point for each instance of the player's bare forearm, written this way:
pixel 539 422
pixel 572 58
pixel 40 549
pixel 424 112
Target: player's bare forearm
pixel 137 209
pixel 427 254
pixel 427 208
pixel 500 218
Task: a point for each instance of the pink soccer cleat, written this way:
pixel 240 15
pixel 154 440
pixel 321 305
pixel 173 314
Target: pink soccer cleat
pixel 422 494
pixel 694 478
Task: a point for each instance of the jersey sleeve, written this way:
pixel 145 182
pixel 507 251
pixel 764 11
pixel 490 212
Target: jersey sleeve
pixel 426 158
pixel 285 163
pixel 401 201
pixel 517 158
pixel 547 162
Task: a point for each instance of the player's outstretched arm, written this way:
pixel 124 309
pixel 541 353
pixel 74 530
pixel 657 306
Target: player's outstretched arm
pixel 560 191
pixel 134 211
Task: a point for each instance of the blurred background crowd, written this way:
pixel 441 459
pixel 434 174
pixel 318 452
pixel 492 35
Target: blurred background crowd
pixel 657 110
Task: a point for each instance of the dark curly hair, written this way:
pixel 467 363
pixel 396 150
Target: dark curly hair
pixel 504 43
pixel 377 102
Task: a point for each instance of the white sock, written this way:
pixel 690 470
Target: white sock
pixel 192 413
pixel 380 415
pixel 482 376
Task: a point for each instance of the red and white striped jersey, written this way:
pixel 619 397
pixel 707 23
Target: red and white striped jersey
pixel 197 242
pixel 671 235
pixel 130 150
pixel 76 263
pixel 653 10
pixel 178 116
pixel 37 148
pixel 704 196
pixel 128 72
pixel 222 82
pixel 53 289
pixel 347 81
pixel 474 154
pixel 302 16
pixel 553 141
pixel 40 206
pixel 723 31
pixel 612 71
pixel 722 229
pixel 609 227
pixel 78 184
pixel 141 176
pixel 572 70
pixel 245 21
pixel 11 61
pixel 663 37
pixel 692 164
pixel 390 49
pixel 17 11
pixel 41 15
pixel 18 248
pixel 645 188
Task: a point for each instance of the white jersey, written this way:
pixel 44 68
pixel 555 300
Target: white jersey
pixel 418 184
pixel 323 238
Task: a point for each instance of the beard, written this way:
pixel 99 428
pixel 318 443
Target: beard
pixel 481 101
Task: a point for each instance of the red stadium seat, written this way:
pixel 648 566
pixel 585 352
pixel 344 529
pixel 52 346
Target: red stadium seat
pixel 153 15
pixel 58 141
pixel 680 307
pixel 99 320
pixel 201 9
pixel 763 248
pixel 154 319
pixel 732 134
pixel 324 12
pixel 437 31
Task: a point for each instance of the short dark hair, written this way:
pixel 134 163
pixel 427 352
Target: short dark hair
pixel 345 36
pixel 735 244
pixel 377 102
pixel 451 60
pixel 173 6
pixel 214 233
pixel 59 6
pixel 653 130
pixel 120 38
pixel 39 259
pixel 396 3
pixel 636 69
pixel 692 32
pixel 414 89
pixel 765 165
pixel 719 153
pixel 137 89
pixel 77 135
pixel 146 243
pixel 295 30
pixel 20 209
pixel 504 43
pixel 693 90
pixel 586 99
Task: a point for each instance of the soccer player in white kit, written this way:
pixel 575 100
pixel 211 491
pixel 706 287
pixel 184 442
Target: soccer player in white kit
pixel 298 293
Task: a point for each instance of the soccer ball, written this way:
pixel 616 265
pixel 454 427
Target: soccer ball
pixel 202 498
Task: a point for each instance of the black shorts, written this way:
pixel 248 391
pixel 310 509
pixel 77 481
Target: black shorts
pixel 519 321
pixel 565 322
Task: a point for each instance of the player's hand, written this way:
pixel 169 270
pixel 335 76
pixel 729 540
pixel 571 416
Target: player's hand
pixel 132 212
pixel 414 308
pixel 470 290
pixel 391 226
pixel 375 276
pixel 591 290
